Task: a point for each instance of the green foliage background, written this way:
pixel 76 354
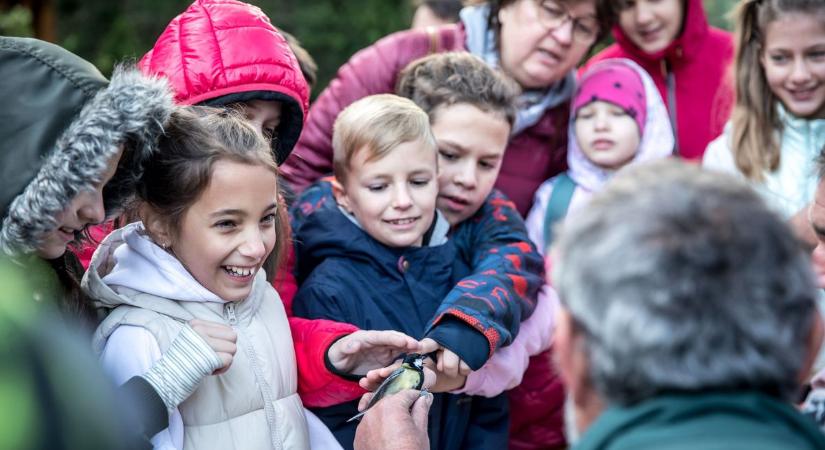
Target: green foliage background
pixel 331 30
pixel 105 31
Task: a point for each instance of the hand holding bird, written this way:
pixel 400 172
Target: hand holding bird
pixel 410 374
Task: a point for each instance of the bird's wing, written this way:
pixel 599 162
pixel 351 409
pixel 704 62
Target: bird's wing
pixel 379 393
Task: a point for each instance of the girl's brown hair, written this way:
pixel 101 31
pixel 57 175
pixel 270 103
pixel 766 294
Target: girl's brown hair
pixel 445 79
pixel 755 118
pixel 194 139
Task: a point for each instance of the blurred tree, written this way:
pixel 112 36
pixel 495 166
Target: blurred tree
pixel 331 30
pixel 718 12
pixel 105 32
pixel 17 21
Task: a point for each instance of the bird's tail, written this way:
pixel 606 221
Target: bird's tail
pixel 357 416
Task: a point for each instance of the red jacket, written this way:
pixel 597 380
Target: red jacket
pixel 537 407
pixel 532 156
pixel 219 52
pixel 699 59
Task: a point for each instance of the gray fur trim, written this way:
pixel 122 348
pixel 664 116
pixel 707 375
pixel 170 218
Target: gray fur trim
pixel 131 110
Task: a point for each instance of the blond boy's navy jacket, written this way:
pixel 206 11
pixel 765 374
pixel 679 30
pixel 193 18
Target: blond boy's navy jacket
pixel 345 275
pixel 505 270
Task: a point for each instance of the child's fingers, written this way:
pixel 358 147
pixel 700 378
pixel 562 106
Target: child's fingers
pixel 220 346
pixel 226 362
pixel 215 330
pixel 375 377
pixel 429 378
pixel 450 363
pixel 463 368
pixel 428 346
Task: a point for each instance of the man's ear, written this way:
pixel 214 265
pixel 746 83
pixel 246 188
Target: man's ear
pixel 814 344
pixel 572 364
pixel 157 227
pixel 340 195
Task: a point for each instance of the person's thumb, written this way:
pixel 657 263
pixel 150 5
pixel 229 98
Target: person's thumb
pixel 421 411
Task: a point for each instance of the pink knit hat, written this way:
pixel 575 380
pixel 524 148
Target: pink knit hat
pixel 614 83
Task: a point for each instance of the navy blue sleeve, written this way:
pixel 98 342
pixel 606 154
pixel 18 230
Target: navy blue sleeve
pixel 463 340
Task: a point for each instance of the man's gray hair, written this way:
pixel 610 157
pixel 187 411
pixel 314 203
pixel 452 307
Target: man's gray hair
pixel 682 280
pixel 820 165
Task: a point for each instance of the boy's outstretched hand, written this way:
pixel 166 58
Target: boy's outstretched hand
pixel 365 350
pixel 448 362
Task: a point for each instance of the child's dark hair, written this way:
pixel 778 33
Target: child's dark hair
pixel 194 139
pixel 445 79
pixel 755 119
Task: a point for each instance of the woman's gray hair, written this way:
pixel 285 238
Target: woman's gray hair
pixel 679 279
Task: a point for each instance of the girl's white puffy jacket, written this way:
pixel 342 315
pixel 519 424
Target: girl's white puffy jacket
pixel 791 187
pixel 255 403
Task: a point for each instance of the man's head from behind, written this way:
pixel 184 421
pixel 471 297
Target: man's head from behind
pixel 385 165
pixel 679 280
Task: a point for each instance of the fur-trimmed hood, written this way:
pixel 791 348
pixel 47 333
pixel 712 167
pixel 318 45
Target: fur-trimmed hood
pixel 61 122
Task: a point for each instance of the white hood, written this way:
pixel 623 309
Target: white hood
pixel 656 142
pixel 128 259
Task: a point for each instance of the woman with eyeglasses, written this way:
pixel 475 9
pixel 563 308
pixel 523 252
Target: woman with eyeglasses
pixel 687 58
pixel 536 42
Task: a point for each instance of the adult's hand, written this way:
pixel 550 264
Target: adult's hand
pixel 398 422
pixel 365 350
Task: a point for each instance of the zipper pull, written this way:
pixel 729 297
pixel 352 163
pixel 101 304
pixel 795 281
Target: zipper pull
pixel 229 310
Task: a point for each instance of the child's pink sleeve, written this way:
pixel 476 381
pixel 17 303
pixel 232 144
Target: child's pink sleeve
pixel 505 369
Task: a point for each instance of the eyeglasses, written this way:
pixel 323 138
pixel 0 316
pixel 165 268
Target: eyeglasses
pixel 553 14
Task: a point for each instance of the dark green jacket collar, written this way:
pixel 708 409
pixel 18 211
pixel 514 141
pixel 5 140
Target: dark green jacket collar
pixel 730 421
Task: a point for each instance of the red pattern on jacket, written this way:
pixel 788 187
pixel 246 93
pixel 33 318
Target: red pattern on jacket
pixel 532 156
pixel 699 59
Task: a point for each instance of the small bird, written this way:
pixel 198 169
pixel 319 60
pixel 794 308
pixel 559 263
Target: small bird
pixel 409 376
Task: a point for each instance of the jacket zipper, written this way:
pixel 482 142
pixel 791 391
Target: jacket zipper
pixel 264 388
pixel 670 86
pixel 229 311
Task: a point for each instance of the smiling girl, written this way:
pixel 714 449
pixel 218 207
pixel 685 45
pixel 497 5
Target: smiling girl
pixel 209 210
pixel 778 125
